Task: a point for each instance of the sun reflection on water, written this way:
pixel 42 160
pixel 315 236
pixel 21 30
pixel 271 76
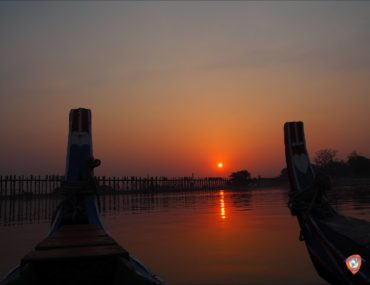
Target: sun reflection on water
pixel 222 205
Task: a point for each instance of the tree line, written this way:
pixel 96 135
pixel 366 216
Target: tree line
pixel 326 161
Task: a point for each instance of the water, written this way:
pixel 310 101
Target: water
pixel 199 237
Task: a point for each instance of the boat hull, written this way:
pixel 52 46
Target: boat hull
pixel 330 238
pixel 78 248
pixel 329 250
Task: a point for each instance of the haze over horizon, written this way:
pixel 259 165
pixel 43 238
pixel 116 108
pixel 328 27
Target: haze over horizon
pixel 176 87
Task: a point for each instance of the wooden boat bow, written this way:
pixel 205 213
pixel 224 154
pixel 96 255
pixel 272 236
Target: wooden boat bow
pixel 78 249
pixel 330 237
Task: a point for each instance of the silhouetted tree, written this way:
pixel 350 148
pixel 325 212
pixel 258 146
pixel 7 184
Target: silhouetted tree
pixel 327 163
pixel 359 164
pixel 338 168
pixel 241 177
pixel 324 157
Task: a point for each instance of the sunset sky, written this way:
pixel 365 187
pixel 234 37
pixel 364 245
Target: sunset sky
pixel 176 87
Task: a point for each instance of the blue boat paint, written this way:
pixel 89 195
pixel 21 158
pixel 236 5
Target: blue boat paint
pixel 80 165
pixel 298 162
pixel 92 213
pixel 80 147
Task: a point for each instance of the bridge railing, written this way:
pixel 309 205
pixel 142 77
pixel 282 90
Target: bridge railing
pixel 13 185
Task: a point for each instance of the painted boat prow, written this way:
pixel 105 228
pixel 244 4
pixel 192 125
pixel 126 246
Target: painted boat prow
pixel 80 147
pixel 300 170
pixel 78 246
pixel 330 237
pixel 79 173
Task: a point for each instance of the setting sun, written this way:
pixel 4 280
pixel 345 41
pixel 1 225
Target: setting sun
pixel 220 165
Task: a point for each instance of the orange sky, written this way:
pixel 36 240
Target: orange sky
pixel 175 87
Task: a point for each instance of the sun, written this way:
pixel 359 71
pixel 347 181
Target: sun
pixel 220 165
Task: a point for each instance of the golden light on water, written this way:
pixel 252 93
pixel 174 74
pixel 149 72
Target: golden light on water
pixel 222 205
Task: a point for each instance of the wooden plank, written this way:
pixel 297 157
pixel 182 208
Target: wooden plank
pixel 81 227
pixel 66 234
pixel 89 252
pixel 51 242
pixel 75 242
pixel 79 231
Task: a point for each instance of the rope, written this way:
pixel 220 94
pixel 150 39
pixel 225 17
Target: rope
pixel 312 196
pixel 73 203
pixel 74 193
pixel 304 200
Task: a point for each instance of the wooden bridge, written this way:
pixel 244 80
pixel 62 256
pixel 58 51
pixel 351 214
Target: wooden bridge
pixel 13 186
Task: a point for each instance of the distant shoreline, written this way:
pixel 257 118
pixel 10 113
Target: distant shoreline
pixel 335 181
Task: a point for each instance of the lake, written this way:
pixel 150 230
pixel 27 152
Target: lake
pixel 193 237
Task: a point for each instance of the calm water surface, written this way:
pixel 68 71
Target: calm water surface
pixel 204 237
